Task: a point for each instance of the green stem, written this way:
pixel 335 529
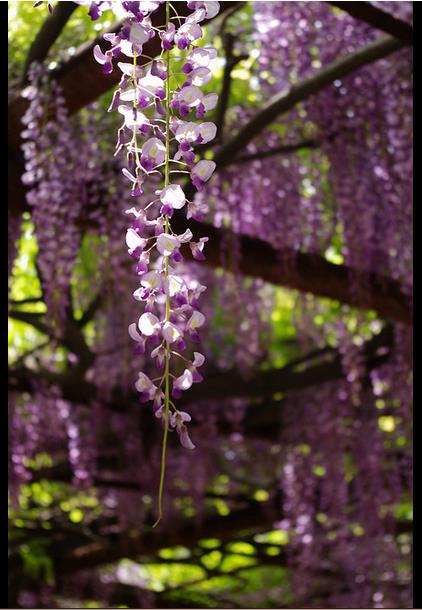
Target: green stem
pixel 167 227
pixel 134 137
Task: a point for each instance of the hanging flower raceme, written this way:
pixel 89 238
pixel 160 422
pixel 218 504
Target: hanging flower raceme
pixel 161 126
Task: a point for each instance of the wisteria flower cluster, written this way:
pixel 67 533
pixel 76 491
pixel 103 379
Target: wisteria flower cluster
pixel 156 120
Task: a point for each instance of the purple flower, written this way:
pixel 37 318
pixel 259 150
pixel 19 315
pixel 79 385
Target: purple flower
pixel 207 131
pixel 182 383
pixel 196 210
pixel 152 280
pixel 136 33
pixel 149 324
pixel 134 242
pixel 141 220
pixel 167 37
pixel 174 285
pixel 160 354
pixel 104 59
pixel 158 400
pixel 166 244
pixel 197 248
pixel 171 332
pixel 200 77
pixel 115 101
pixel 159 69
pixel 187 131
pixel 145 387
pixel 127 69
pixel 177 420
pixel 142 264
pixel 186 34
pixel 199 57
pixel 209 101
pixel 187 98
pixel 196 321
pixel 201 173
pixel 137 181
pixel 198 361
pixel 153 154
pixel 209 9
pixel 134 120
pixel 140 340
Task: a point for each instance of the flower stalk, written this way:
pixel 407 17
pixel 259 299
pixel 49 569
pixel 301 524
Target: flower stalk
pixel 159 115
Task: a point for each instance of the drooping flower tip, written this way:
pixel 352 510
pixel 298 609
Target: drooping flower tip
pixel 177 420
pixel 197 249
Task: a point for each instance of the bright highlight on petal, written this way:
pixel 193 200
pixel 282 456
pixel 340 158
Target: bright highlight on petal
pixel 184 382
pixel 173 195
pixel 148 324
pixel 133 240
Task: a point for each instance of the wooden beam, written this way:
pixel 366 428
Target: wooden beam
pixel 379 19
pixel 48 34
pixel 81 78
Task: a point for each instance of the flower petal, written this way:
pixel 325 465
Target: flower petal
pixel 208 131
pixel 171 332
pixel 204 170
pixel 184 437
pixel 174 285
pixel 144 383
pixel 210 101
pixel 191 95
pixel 148 324
pixel 166 244
pixel 184 382
pixel 134 334
pixel 133 240
pixel 196 320
pixel 198 359
pixel 173 195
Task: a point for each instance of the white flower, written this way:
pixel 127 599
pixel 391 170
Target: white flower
pixel 144 383
pixel 152 279
pixel 171 333
pixel 198 359
pixel 201 56
pixel 133 333
pixel 200 76
pixel 184 382
pixel 207 131
pixel 203 170
pixel 154 149
pixel 174 196
pixel 191 96
pixel 196 320
pixel 167 244
pixel 188 131
pixel 134 241
pixel 148 324
pixel 210 101
pixel 173 285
